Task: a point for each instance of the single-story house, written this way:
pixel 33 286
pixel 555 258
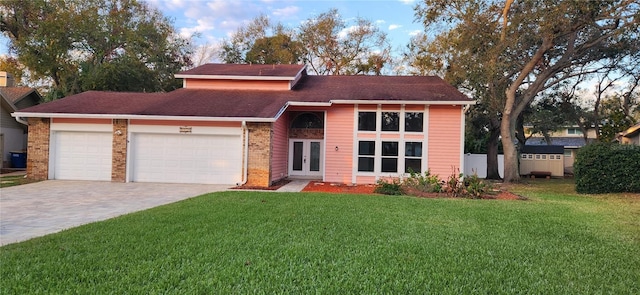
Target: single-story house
pixel 253 125
pixel 13 134
pixel 542 159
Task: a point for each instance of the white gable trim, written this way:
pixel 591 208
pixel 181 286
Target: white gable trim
pixel 143 117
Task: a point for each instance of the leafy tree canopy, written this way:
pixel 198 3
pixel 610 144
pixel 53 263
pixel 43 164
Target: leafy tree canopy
pixel 516 50
pixel 325 43
pixel 121 45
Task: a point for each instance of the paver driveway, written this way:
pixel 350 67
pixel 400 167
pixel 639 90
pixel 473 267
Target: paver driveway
pixel 41 208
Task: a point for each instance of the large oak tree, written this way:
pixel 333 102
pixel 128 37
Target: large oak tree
pixel 530 46
pixel 120 45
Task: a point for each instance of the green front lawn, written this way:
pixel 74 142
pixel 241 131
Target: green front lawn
pixel 7 181
pixel 299 243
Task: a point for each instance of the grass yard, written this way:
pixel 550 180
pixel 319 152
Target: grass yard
pixel 12 180
pixel 264 243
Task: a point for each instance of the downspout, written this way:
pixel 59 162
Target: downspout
pixel 22 121
pixel 245 178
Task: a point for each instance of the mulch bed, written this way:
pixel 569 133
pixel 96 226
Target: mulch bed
pixel 273 187
pixel 327 187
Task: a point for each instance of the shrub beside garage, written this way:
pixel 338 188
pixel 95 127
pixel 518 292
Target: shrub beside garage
pixel 607 168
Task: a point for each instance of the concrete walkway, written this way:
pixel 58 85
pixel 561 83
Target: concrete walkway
pixel 296 185
pixel 38 209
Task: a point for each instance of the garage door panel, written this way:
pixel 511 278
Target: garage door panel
pixel 187 158
pixel 83 156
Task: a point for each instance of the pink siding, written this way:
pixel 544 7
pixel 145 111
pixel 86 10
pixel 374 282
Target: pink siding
pixel 444 141
pixel 410 136
pixel 280 148
pixel 388 136
pixel 339 132
pixel 365 179
pixel 236 84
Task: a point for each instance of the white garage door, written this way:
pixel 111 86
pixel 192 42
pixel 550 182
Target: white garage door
pixel 82 155
pixel 186 158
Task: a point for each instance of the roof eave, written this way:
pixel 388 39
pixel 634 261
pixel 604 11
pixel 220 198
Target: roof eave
pixel 142 117
pixel 437 102
pixel 230 77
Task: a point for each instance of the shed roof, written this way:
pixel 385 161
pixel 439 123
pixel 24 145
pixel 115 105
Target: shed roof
pixel 567 141
pixel 543 149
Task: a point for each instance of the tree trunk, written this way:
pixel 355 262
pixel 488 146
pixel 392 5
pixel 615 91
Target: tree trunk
pixel 492 150
pixel 511 169
pixel 508 131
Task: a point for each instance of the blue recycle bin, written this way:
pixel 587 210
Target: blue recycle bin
pixel 19 159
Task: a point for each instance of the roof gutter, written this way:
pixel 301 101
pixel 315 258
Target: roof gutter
pixel 461 102
pixel 142 117
pixel 22 121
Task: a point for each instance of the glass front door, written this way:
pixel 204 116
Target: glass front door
pixel 305 157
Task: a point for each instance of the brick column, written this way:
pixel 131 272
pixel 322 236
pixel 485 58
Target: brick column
pixel 259 164
pixel 119 150
pixel 38 148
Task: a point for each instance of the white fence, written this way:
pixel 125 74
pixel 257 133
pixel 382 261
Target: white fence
pixel 477 163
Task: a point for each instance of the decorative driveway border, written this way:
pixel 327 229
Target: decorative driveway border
pixel 37 209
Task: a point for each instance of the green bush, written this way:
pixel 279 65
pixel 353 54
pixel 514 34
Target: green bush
pixel 393 187
pixel 476 187
pixel 423 182
pixel 607 168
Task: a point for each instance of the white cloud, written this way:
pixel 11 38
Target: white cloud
pixel 380 22
pixel 407 2
pixel 394 26
pixel 203 25
pixel 415 32
pixel 286 12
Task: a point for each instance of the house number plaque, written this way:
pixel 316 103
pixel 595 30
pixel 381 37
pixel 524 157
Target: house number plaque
pixel 185 129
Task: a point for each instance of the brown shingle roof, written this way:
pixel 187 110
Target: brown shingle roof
pixel 14 94
pixel 245 70
pixel 255 103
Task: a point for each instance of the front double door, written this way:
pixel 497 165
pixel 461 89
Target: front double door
pixel 305 157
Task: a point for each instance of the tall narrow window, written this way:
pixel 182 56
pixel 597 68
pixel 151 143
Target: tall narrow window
pixel 413 157
pixel 366 152
pixel 413 122
pixel 390 121
pixel 389 156
pixel 366 121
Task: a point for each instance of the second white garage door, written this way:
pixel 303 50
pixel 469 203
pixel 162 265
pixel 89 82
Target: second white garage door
pixel 186 158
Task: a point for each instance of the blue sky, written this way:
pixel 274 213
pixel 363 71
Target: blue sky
pixel 216 19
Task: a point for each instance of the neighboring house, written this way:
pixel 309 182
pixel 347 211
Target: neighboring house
pixel 13 134
pixel 571 138
pixel 253 124
pixel 631 135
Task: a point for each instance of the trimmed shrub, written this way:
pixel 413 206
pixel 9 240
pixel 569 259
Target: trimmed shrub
pixel 607 168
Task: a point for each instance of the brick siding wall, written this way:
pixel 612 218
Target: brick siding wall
pixel 260 137
pixel 38 148
pixel 119 152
